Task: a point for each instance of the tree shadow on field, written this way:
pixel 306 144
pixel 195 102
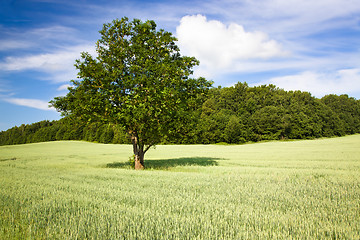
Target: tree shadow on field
pixel 165 164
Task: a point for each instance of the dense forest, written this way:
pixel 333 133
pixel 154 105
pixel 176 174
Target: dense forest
pixel 232 115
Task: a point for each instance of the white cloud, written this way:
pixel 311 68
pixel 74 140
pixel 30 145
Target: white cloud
pixel 32 103
pixel 220 48
pixel 44 62
pixel 53 33
pixel 63 87
pixel 13 44
pixel 59 65
pixel 308 10
pixel 293 17
pixel 38 38
pixel 320 9
pixel 343 81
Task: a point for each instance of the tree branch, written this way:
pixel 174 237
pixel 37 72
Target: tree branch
pixel 148 147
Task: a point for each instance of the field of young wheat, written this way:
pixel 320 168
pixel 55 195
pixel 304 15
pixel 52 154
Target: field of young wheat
pixel 274 190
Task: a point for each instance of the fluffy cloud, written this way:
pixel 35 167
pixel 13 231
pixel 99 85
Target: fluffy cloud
pixel 220 48
pixel 319 84
pixel 32 103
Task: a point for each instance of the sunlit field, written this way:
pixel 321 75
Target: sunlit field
pixel 274 190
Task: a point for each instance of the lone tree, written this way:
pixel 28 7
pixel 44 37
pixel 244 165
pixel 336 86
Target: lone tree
pixel 138 81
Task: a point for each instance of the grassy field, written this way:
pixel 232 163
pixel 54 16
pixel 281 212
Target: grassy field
pixel 274 190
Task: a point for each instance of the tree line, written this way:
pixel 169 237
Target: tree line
pixel 233 115
pixel 241 113
pixel 63 129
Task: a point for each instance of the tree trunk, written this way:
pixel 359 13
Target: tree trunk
pixel 139 161
pixel 138 152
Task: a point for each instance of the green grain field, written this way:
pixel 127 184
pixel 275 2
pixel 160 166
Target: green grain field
pixel 275 190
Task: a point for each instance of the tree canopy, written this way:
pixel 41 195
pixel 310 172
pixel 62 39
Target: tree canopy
pixel 138 80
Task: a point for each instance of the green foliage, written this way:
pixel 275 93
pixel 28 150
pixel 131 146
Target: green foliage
pixel 138 89
pixel 131 161
pixel 232 115
pixel 241 113
pixel 64 129
pixel 274 190
pixel 138 81
pixel 347 110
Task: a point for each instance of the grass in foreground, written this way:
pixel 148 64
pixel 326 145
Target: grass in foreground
pixel 276 190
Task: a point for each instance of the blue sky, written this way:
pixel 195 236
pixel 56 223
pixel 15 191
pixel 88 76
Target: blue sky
pixel 295 44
